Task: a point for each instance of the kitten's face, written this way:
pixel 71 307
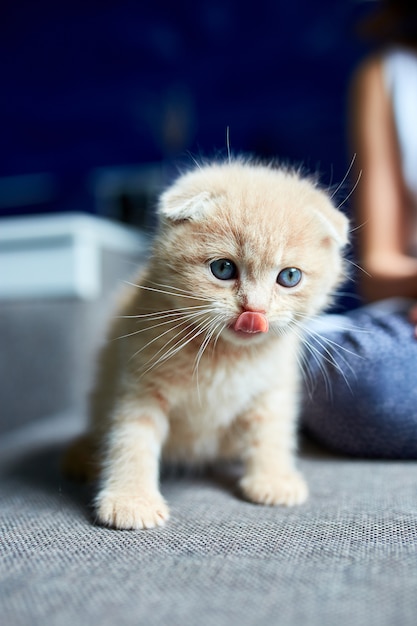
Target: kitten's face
pixel 248 239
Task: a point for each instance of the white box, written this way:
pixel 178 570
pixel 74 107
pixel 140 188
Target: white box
pixel 59 277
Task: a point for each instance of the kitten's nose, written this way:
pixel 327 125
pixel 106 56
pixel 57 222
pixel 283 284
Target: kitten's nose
pixel 251 322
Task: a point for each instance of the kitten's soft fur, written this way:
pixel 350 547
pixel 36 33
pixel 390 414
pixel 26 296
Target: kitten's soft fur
pixel 203 362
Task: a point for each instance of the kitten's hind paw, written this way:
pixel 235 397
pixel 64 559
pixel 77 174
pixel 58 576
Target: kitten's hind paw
pixel 131 512
pixel 286 489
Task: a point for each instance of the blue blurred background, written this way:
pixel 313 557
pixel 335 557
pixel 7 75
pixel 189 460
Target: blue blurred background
pixel 100 101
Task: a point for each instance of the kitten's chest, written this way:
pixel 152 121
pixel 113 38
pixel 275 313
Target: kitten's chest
pixel 209 403
pixel 219 393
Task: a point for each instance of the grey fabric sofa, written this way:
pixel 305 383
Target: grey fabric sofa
pixel 346 557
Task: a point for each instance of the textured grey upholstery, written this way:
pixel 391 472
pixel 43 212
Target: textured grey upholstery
pixel 349 556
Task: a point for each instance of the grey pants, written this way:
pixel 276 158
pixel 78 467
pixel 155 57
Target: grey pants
pixel 360 382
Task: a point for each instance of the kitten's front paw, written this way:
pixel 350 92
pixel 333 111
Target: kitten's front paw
pixel 287 489
pixel 131 512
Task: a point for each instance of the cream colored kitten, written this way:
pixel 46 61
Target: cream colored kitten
pixel 203 362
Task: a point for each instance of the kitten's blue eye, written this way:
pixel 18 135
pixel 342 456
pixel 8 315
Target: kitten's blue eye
pixel 223 269
pixel 289 277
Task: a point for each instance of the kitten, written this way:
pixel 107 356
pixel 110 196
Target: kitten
pixel 203 362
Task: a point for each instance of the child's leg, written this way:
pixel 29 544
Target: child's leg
pixel 365 403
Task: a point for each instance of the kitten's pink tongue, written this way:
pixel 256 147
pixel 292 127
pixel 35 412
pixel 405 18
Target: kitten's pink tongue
pixel 251 322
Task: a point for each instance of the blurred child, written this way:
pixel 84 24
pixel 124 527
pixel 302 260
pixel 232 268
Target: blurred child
pixel 363 400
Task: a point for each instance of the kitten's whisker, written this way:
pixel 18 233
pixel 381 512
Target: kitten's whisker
pixel 168 293
pixel 184 318
pixel 158 337
pixel 222 327
pixel 322 355
pixel 340 185
pixel 352 230
pixel 351 191
pixel 358 267
pixel 194 160
pixel 348 277
pixel 210 332
pixel 160 314
pixel 301 357
pixel 192 325
pixel 319 317
pixel 229 157
pixel 195 332
pixel 200 328
pixel 322 369
pixel 303 365
pixel 325 339
pixel 315 355
pixel 331 360
pixel 215 323
pixel 181 291
pixel 152 361
pixel 305 370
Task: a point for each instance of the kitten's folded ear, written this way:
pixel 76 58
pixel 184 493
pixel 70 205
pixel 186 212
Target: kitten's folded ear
pixel 177 205
pixel 336 222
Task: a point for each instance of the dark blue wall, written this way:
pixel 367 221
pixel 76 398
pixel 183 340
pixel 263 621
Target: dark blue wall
pixel 87 84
